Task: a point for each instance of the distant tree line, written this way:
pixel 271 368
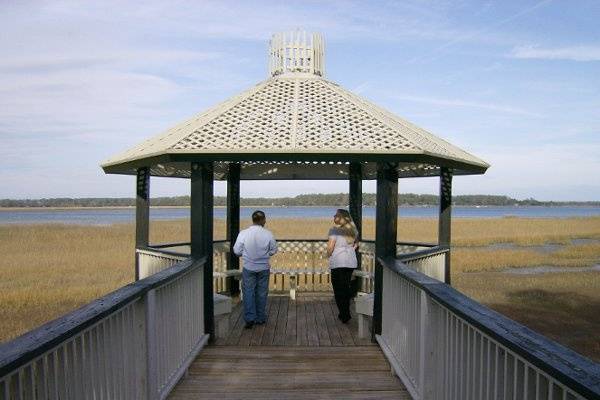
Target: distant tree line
pixel 320 199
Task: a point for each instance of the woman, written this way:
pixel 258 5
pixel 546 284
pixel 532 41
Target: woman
pixel 342 260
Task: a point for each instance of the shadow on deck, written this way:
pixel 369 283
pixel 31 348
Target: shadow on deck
pixel 302 352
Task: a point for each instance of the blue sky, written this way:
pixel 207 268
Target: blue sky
pixel 516 83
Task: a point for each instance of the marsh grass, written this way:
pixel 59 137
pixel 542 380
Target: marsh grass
pixel 562 306
pixel 48 270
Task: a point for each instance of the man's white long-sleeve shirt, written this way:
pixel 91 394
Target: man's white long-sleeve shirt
pixel 255 245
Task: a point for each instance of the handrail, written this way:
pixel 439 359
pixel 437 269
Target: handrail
pixel 32 344
pixel 164 245
pixel 417 244
pixel 161 245
pixel 565 365
pixel 422 253
pixel 161 251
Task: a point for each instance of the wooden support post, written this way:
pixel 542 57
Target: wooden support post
pixel 233 223
pixel 355 208
pixel 201 213
pixel 355 197
pixel 386 228
pixel 142 213
pixel 444 221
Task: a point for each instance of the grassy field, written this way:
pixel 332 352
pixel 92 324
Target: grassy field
pixel 47 270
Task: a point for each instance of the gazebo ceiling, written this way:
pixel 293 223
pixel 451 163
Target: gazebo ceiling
pixel 295 125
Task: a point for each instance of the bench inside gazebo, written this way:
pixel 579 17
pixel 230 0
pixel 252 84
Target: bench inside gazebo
pixel 177 331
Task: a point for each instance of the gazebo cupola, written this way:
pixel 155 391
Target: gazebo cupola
pixel 296 124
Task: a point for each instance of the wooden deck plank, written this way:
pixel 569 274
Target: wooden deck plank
pixel 330 318
pixel 324 339
pixel 291 325
pixel 236 329
pixel 343 329
pixel 290 372
pixel 279 338
pixel 269 333
pixel 311 322
pixel 301 334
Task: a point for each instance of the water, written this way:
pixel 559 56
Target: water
pixel 103 216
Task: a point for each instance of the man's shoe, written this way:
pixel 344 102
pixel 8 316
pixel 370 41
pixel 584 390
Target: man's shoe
pixel 249 325
pixel 261 322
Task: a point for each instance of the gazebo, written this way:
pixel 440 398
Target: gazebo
pixel 294 125
pixel 140 341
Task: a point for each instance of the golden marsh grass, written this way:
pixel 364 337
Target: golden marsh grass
pixel 48 270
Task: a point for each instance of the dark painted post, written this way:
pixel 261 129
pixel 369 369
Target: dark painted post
pixel 142 214
pixel 355 198
pixel 444 221
pixel 233 222
pixel 386 228
pixel 201 213
pixel 355 208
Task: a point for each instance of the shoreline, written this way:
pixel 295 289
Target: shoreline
pixel 78 208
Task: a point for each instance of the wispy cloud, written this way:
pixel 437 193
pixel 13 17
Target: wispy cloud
pixel 469 36
pixel 572 53
pixel 467 104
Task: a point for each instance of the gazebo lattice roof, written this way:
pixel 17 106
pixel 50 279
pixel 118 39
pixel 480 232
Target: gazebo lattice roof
pixel 295 125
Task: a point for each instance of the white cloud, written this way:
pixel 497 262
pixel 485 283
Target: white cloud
pixel 573 53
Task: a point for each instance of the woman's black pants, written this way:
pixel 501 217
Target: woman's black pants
pixel 341 281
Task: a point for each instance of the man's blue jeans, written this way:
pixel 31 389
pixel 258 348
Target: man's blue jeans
pixel 256 289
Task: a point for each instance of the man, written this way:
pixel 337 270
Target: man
pixel 255 245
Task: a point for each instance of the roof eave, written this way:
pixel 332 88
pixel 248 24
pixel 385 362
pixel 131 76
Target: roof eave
pixel 126 166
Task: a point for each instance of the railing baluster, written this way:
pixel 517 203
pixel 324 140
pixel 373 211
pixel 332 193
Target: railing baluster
pixel 470 360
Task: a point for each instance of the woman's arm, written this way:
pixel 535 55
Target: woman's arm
pixel 330 246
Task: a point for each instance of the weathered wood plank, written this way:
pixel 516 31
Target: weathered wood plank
pixel 343 329
pixel 324 339
pixel 269 333
pixel 330 319
pixel 290 372
pixel 279 338
pixel 311 323
pixel 235 330
pixel 290 329
pixel 301 334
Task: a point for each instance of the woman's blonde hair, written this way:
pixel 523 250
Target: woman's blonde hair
pixel 347 226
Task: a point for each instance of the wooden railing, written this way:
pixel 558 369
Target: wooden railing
pixel 431 261
pixel 299 264
pixel 444 345
pixel 134 343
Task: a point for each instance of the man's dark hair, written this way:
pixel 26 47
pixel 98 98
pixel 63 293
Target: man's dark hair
pixel 258 216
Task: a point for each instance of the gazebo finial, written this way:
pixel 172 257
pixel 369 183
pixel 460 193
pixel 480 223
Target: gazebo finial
pixel 297 51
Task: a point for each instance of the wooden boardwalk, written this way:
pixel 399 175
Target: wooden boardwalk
pixel 310 320
pixel 302 352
